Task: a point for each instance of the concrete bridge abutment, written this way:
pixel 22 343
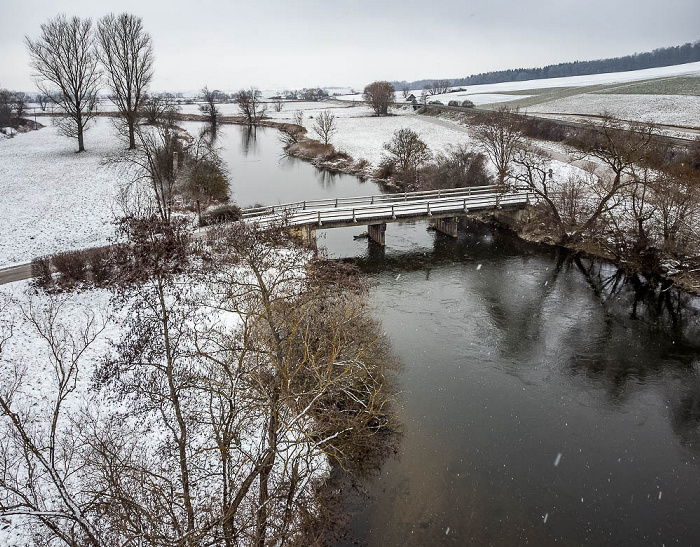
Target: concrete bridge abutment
pixel 447 226
pixel 377 233
pixel 305 234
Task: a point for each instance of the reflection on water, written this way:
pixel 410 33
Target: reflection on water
pixel 544 401
pixel 261 174
pixel 249 139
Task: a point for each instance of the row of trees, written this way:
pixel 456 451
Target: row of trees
pixel 70 57
pixel 675 55
pixel 229 391
pixel 639 202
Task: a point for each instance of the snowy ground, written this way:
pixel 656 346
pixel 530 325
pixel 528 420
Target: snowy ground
pixel 681 110
pixel 363 138
pixel 28 353
pixel 52 198
pixel 570 81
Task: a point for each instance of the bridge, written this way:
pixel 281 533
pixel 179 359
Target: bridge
pixel 441 207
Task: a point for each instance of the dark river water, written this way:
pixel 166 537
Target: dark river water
pixel 540 405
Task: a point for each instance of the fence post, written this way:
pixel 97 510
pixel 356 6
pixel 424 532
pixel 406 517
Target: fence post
pixel 353 215
pixel 429 213
pixel 319 218
pixel 393 216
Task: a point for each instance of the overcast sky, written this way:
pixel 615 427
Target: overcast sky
pixel 303 43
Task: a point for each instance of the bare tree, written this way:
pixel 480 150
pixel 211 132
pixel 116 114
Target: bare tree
pixel 325 126
pixel 439 87
pixel 250 105
pixel 127 55
pixel 43 101
pixel 209 108
pixel 407 151
pixel 19 100
pixel 6 107
pixel 380 96
pixel 299 117
pixel 405 91
pixel 499 134
pixel 278 105
pixel 423 97
pixel 534 171
pixel 66 68
pixel 160 109
pixel 155 163
pixel 42 477
pixel 677 201
pixel 619 148
pixel 204 178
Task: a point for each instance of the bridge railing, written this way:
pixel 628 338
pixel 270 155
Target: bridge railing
pixel 334 203
pixel 381 211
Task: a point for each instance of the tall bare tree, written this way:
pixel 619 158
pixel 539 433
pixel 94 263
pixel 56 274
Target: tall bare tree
pixel 620 149
pixel 209 108
pixel 498 132
pixel 67 70
pixel 325 126
pixel 160 109
pixel 380 96
pixel 155 164
pixel 127 55
pixel 407 151
pixel 250 105
pixel 43 101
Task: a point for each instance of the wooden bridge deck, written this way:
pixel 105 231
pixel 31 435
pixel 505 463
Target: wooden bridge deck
pixel 383 208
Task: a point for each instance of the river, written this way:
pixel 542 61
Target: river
pixel 540 405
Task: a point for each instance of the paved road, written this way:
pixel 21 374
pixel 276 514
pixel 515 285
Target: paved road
pixel 15 273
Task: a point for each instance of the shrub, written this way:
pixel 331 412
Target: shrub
pixel 453 103
pixel 220 215
pixel 41 272
pixel 457 168
pixel 539 128
pixel 362 163
pixel 407 150
pixel 468 104
pixel 71 265
pixel 385 170
pixel 99 261
pixel 311 149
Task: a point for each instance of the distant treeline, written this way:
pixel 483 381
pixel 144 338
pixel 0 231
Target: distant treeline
pixel 667 56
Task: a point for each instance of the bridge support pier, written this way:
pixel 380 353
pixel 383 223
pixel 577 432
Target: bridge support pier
pixel 376 233
pixel 305 234
pixel 447 226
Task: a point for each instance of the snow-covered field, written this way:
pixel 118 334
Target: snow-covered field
pixel 54 199
pixel 608 78
pixel 665 109
pixel 681 110
pixel 363 138
pixel 692 69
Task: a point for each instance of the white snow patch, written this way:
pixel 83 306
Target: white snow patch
pixel 54 199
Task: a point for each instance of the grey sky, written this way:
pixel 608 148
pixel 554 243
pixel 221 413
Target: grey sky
pixel 302 43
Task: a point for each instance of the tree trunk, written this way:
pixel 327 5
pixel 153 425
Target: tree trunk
pixel 132 138
pixel 81 145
